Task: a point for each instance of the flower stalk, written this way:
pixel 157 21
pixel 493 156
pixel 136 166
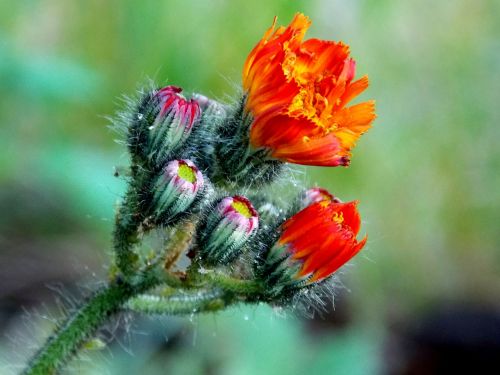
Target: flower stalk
pixel 180 304
pixel 130 294
pixel 68 339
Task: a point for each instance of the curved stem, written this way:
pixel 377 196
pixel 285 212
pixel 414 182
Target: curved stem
pixel 64 343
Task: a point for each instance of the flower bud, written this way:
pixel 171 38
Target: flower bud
pixel 200 147
pixel 317 194
pixel 177 190
pixel 312 245
pixel 163 123
pixel 226 230
pixel 209 106
pixel 174 122
pixel 236 161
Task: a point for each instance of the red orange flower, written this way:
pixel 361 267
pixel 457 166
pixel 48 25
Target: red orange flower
pixel 298 91
pixel 318 240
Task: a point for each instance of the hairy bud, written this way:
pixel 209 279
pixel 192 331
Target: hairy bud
pixel 162 125
pixel 177 190
pixel 226 230
pixel 317 194
pixel 238 162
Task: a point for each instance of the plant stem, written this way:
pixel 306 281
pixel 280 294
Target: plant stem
pixel 181 303
pixel 238 286
pixel 125 234
pixel 65 342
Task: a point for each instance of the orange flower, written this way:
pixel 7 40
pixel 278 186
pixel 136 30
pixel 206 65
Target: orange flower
pixel 316 242
pixel 297 92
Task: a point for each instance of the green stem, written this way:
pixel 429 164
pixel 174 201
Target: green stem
pixel 225 291
pixel 181 304
pixel 238 286
pixel 196 279
pixel 125 236
pixel 65 342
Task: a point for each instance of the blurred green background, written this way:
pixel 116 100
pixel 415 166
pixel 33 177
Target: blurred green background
pixel 427 176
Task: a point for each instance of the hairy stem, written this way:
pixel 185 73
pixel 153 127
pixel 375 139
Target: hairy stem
pixel 181 303
pixel 125 236
pixel 238 286
pixel 65 342
pixel 181 237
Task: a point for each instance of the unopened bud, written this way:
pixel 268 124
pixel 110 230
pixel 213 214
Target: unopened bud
pixel 317 194
pixel 162 124
pixel 200 147
pixel 177 190
pixel 174 122
pixel 227 229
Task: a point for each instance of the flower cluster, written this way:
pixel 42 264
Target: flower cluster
pixel 209 181
pixel 198 161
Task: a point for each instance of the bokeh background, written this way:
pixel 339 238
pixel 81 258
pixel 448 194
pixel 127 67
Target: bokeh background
pixel 423 297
